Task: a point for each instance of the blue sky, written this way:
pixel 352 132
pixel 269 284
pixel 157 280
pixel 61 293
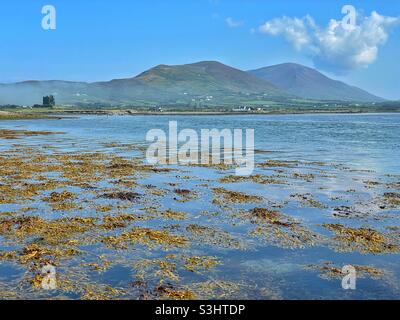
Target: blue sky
pixel 101 40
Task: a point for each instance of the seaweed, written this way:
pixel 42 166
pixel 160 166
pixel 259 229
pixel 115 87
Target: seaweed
pixel 222 196
pixel 145 236
pixel 175 215
pixel 165 291
pixel 263 215
pixel 279 163
pixel 327 270
pixel 211 236
pixel 392 198
pixel 307 200
pixel 364 240
pixel 196 263
pixel 18 134
pixel 256 178
pixel 125 196
pixel 280 229
pixel 36 179
pixel 184 195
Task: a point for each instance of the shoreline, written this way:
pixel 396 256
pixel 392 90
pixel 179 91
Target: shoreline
pixel 58 114
pixel 219 114
pixel 205 113
pixel 6 115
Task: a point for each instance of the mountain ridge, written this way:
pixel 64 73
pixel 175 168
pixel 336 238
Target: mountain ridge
pixel 207 82
pixel 309 83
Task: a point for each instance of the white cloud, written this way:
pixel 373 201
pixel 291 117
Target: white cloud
pixel 335 48
pixel 232 23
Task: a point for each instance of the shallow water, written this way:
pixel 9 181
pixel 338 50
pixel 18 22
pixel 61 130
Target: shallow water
pixel 342 165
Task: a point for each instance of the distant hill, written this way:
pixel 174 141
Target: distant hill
pixel 309 83
pixel 207 80
pixel 207 83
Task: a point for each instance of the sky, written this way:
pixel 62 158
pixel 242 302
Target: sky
pixel 101 40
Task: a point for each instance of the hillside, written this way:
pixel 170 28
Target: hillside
pixel 201 84
pixel 208 81
pixel 309 83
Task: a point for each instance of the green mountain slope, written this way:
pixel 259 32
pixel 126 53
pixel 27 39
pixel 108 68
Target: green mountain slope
pixel 208 81
pixel 201 84
pixel 203 80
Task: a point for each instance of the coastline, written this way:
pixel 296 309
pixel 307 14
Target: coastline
pixel 6 115
pixel 58 114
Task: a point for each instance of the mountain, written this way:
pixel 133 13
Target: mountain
pixel 308 83
pixel 203 83
pixel 205 77
pixel 208 80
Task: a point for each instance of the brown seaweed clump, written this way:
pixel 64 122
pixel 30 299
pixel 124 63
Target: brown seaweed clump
pixel 125 196
pixel 174 215
pixel 364 240
pixel 195 263
pixel 99 267
pixel 173 294
pixel 328 270
pixel 182 192
pixel 165 291
pixel 18 134
pixel 100 292
pixel 147 237
pixel 263 215
pixel 280 229
pixel 53 232
pixel 59 197
pixel 61 200
pixel 165 271
pixel 162 269
pixel 36 255
pixel 307 200
pixel 120 220
pixel 279 163
pixel 40 254
pixel 224 196
pixel 392 198
pixel 212 236
pixel 256 178
pixel 184 195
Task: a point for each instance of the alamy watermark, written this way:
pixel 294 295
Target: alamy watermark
pixel 49 280
pixel 207 147
pixel 49 21
pixel 350 19
pixel 350 278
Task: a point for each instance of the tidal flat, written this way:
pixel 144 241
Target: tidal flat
pixel 77 194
